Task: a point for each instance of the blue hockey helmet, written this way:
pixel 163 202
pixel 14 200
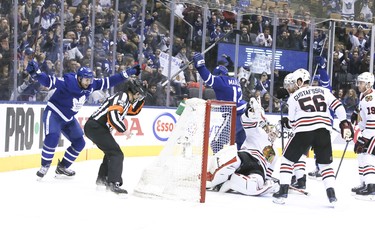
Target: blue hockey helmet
pixel 220 71
pixel 85 72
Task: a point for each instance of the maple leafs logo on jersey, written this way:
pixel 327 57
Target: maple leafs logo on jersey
pixel 77 104
pixel 368 98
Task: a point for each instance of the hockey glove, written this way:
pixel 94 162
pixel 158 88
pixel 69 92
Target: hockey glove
pixel 285 123
pixel 134 70
pixel 347 132
pixel 33 69
pixel 354 117
pixel 321 61
pixel 198 60
pixel 361 145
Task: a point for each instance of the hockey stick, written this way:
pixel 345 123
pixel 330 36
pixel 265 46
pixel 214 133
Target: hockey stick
pixel 342 158
pixel 39 25
pixel 205 51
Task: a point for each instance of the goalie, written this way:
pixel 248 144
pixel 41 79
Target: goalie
pixel 242 171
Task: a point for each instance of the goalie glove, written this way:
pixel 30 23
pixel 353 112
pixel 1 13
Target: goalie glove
pixel 347 132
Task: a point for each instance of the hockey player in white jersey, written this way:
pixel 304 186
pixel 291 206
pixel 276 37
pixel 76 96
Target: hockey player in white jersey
pixel 365 144
pixel 309 117
pixel 260 135
pixel 248 171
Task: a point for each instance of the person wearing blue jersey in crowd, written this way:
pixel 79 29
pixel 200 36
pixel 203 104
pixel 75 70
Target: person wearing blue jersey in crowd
pixel 58 118
pixel 226 89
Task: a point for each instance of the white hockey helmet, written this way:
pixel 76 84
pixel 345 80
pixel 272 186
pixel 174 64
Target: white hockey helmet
pixel 302 74
pixel 288 80
pixel 366 77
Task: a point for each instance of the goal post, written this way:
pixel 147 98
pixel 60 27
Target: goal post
pixel 179 171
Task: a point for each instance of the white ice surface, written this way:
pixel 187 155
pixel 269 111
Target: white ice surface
pixel 27 204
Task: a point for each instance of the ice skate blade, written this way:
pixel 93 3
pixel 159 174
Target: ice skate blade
pixel 365 197
pixel 118 195
pixel 279 200
pixel 63 177
pixel 101 188
pixel 315 178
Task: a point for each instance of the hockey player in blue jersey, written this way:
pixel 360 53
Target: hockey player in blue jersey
pixel 226 89
pixel 58 118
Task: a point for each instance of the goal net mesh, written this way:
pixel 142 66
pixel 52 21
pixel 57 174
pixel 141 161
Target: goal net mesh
pixel 177 172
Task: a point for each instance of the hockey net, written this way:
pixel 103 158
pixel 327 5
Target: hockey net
pixel 179 172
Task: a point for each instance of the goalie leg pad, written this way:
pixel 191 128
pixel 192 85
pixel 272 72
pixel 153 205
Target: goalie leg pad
pixel 251 185
pixel 222 173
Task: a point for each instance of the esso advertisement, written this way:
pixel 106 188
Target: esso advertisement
pixel 163 126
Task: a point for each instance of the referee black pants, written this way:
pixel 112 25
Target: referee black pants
pixel 112 164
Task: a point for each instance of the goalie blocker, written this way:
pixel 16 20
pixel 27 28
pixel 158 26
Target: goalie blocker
pixel 243 172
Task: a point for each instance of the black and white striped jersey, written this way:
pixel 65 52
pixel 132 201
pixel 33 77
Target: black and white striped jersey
pixel 113 110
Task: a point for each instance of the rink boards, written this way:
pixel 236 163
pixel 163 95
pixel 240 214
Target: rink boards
pixel 22 136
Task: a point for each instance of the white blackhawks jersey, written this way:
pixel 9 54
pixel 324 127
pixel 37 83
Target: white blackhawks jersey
pixel 256 136
pixel 309 109
pixel 367 115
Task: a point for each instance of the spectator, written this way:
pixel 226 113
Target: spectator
pixel 151 97
pixel 283 40
pixel 264 39
pixel 5 83
pixel 350 101
pixel 263 84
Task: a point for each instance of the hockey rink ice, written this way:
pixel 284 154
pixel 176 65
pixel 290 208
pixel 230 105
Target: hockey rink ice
pixel 27 204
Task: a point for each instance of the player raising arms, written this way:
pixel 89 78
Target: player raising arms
pixel 310 118
pixel 226 89
pixel 71 94
pixel 109 116
pixel 365 144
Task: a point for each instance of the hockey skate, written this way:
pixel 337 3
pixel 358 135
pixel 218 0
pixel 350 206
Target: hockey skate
pixel 358 188
pixel 331 195
pixel 101 183
pixel 115 188
pixel 368 193
pixel 315 175
pixel 300 183
pixel 42 171
pixel 281 195
pixel 63 172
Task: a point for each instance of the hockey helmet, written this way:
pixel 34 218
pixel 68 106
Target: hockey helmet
pixel 85 72
pixel 220 71
pixel 366 77
pixel 288 80
pixel 135 86
pixel 302 74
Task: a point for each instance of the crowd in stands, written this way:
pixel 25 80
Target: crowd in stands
pixel 40 37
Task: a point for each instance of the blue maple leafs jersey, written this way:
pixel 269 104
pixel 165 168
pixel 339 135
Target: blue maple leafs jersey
pixel 69 97
pixel 226 88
